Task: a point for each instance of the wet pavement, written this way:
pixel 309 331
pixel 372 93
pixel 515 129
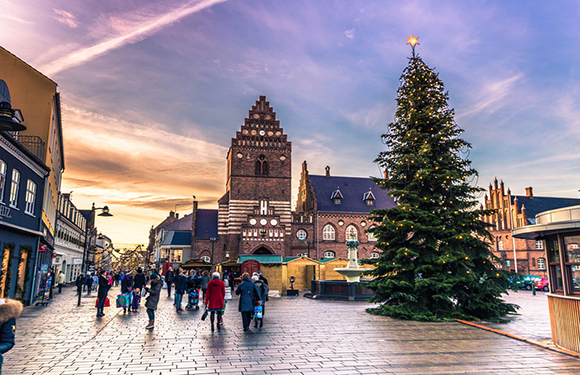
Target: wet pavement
pixel 300 336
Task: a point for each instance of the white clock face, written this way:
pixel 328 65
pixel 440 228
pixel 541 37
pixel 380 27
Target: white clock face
pixel 263 221
pixel 301 234
pixel 363 223
pixel 273 222
pixel 253 221
pixel 262 133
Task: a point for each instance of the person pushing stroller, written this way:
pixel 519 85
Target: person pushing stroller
pixel 192 293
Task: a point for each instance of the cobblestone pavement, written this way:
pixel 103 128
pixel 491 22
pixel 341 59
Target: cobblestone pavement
pixel 300 336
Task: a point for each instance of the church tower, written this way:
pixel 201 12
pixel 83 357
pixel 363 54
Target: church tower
pixel 254 215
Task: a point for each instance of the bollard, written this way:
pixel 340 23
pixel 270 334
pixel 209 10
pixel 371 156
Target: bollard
pixel 533 288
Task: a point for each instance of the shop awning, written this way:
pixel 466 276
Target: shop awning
pixel 265 258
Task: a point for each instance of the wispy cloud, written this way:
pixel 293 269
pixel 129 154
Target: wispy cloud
pixel 349 33
pixel 493 94
pixel 136 32
pixel 66 18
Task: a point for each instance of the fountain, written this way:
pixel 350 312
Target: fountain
pixel 349 289
pixel 352 270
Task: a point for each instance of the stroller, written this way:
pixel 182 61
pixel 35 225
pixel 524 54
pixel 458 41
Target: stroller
pixel 192 299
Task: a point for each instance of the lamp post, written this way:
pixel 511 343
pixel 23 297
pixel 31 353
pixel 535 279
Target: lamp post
pixel 89 233
pixel 213 240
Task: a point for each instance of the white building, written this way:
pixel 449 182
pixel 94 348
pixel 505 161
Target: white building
pixel 69 238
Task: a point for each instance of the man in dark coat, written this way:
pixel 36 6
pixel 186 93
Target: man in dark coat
pixel 89 283
pixel 248 293
pixel 10 310
pixel 169 275
pixel 180 288
pixel 262 278
pixel 80 282
pixel 102 293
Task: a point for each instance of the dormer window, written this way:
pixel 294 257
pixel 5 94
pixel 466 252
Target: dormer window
pixel 336 197
pixel 369 198
pixel 262 165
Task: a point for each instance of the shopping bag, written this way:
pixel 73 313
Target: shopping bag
pixel 121 300
pixel 204 315
pixel 258 312
pixel 107 302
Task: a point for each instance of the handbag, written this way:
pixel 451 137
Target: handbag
pixel 258 312
pixel 107 302
pixel 204 315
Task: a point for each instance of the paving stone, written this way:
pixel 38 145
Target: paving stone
pixel 300 336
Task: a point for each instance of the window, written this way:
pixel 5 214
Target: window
pixel 500 245
pixel 14 188
pixel 554 261
pixel 371 235
pixel 336 197
pixel 351 233
pixel 2 179
pixel 328 233
pixel 329 254
pixel 369 198
pixel 572 253
pixel 30 197
pixel 374 255
pixel 541 264
pixel 262 165
pixel 539 245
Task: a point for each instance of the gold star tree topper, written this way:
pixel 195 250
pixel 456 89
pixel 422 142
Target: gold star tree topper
pixel 412 40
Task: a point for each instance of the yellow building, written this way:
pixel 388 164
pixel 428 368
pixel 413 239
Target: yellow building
pixel 37 97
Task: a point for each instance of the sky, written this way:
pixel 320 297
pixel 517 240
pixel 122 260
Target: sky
pixel 153 91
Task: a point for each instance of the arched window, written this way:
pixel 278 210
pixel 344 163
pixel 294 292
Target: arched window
pixel 351 233
pixel 329 254
pixel 328 233
pixel 262 165
pixel 371 235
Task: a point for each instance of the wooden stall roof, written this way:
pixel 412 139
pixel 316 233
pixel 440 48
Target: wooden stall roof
pixel 264 259
pixel 195 263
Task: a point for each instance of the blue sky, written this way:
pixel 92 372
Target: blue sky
pixel 153 91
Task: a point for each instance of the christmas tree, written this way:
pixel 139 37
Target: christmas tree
pixel 436 263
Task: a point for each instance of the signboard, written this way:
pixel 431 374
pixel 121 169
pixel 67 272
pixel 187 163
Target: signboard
pixel 77 261
pixel 42 248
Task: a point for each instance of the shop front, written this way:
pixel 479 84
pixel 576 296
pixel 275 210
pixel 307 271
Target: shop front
pixel 560 232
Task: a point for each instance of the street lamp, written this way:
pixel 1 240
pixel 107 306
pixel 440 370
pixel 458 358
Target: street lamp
pixel 89 233
pixel 213 240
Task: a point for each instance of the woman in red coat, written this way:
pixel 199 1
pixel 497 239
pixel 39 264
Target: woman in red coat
pixel 214 299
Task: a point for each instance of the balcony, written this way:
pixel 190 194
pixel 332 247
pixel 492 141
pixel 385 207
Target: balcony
pixel 33 143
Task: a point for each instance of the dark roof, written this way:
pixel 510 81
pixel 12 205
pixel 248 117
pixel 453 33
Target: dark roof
pixel 182 224
pixel 177 238
pixel 352 189
pixel 535 205
pixel 206 224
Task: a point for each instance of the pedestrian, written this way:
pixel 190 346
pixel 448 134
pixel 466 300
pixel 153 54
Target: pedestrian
pixel 249 297
pixel 127 290
pixel 138 285
pixel 10 310
pixel 89 284
pixel 180 288
pixel 231 279
pixel 95 281
pixel 263 293
pixel 204 281
pixel 80 282
pixel 262 278
pixel 60 281
pixel 214 299
pixel 104 286
pixel 117 277
pixel 169 275
pixel 153 299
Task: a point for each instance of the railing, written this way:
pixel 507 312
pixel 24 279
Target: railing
pixel 33 143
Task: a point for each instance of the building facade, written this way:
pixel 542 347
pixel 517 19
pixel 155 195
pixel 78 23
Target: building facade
pixel 23 178
pixel 255 216
pixel 70 238
pixel 524 255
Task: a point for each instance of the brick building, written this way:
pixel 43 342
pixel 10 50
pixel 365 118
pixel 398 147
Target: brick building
pixel 255 217
pixel 515 211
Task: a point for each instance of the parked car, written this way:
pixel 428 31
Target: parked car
pixel 543 284
pixel 526 281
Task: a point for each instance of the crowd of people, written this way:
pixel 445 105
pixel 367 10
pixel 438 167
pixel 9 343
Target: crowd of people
pixel 197 284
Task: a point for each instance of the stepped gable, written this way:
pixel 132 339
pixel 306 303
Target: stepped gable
pixel 261 129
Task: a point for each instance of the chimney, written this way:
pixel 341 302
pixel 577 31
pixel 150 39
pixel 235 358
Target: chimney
pixel 529 192
pixel 177 215
pixel 327 169
pixel 171 214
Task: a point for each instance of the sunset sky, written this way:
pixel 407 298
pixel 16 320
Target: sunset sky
pixel 153 91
